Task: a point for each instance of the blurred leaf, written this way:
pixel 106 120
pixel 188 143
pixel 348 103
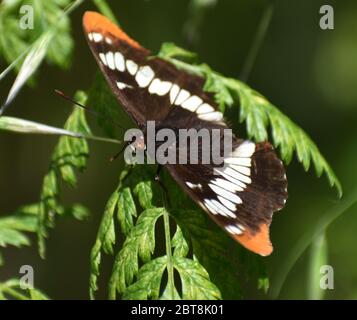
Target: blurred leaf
pixel 29 66
pixel 104 8
pixel 102 99
pixel 318 258
pixel 296 252
pixel 30 127
pixel 197 11
pixel 26 126
pixel 254 267
pixel 259 114
pixel 11 289
pixel 12 228
pixel 13 40
pixel 47 14
pixel 195 280
pixel 170 50
pixel 50 38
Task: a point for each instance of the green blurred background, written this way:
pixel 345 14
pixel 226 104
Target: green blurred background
pixel 310 74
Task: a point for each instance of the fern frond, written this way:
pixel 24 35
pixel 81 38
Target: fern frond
pixel 69 154
pixel 140 242
pixel 12 289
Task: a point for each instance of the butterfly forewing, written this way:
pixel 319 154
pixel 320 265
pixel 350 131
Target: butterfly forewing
pixel 242 195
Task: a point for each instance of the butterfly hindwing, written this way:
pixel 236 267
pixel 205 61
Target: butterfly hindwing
pixel 241 196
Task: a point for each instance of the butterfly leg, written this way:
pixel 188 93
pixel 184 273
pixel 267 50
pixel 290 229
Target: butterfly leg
pixel 157 174
pixel 112 158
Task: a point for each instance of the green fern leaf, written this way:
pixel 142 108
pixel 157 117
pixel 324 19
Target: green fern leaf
pixel 126 210
pixel 11 289
pixel 195 280
pixel 12 227
pixel 104 241
pixel 140 242
pixel 69 154
pixel 179 244
pixel 170 50
pixel 148 281
pixel 219 255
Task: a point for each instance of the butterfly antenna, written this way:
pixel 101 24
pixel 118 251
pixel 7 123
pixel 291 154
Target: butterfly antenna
pixel 88 109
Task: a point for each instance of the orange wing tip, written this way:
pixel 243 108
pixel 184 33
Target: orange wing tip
pixel 258 242
pixel 95 22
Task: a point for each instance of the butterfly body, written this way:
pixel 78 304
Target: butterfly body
pixel 242 192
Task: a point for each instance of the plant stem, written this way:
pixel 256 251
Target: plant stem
pixel 105 9
pixel 14 293
pixel 258 40
pixel 72 6
pixel 170 269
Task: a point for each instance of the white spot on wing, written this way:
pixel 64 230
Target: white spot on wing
pixel 230 205
pixel 225 194
pixel 160 87
pixel 227 185
pixel 110 60
pixel 205 108
pixel 119 61
pixel 108 40
pixel 144 76
pixel 90 36
pixel 192 103
pixel 235 174
pixel 182 96
pixel 211 207
pixel 230 178
pixel 247 162
pixel 193 186
pixel 240 227
pixel 211 116
pixel 222 210
pixel 174 92
pixel 233 229
pixel 97 37
pixel 132 67
pixel 241 169
pixel 102 58
pixel 245 150
pixel 122 85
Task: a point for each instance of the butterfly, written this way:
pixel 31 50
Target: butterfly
pixel 242 196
